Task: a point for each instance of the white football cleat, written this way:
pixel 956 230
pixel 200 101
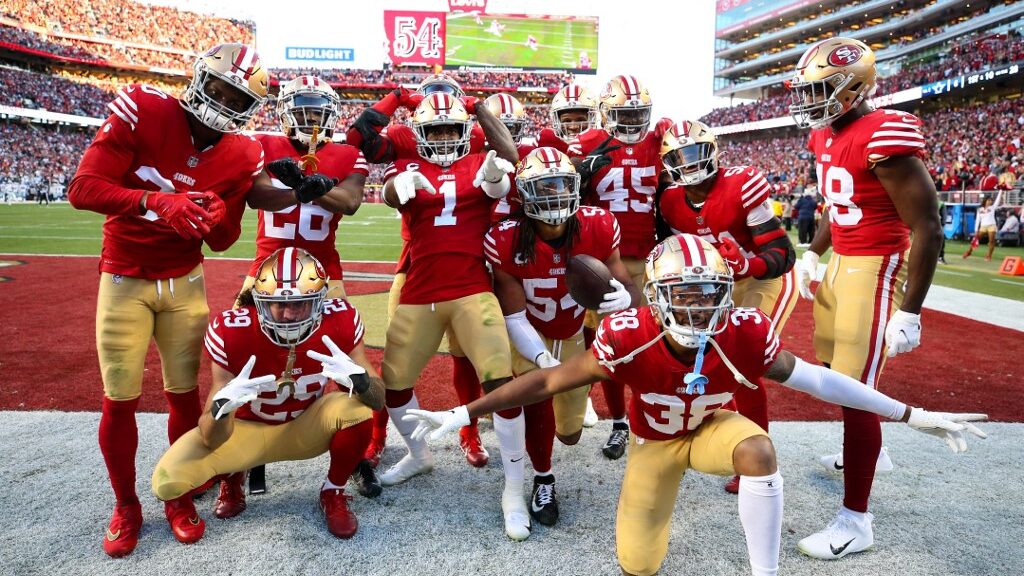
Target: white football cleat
pixel 517 517
pixel 406 468
pixel 590 416
pixel 834 462
pixel 845 535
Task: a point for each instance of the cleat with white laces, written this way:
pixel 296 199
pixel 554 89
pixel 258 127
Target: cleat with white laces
pixel 845 535
pixel 406 468
pixel 590 416
pixel 834 462
pixel 615 447
pixel 517 519
pixel 543 504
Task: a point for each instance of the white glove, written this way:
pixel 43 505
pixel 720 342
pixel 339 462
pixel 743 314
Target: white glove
pixel 340 368
pixel 546 360
pixel 617 300
pixel 903 332
pixel 807 271
pixel 408 182
pixel 946 425
pixel 436 423
pixel 241 390
pixel 493 169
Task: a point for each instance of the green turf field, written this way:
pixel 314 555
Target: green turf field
pixel 373 234
pixel 559 43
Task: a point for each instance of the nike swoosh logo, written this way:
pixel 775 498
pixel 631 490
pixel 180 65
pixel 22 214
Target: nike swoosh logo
pixel 838 551
pixel 518 459
pixel 113 535
pixel 853 270
pixel 194 278
pixel 533 506
pixel 837 465
pixel 194 520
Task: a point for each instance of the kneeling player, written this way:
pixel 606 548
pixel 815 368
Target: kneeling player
pixel 680 383
pixel 528 253
pixel 285 327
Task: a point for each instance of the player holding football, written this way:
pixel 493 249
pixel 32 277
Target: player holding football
pixel 870 171
pixel 170 175
pixel 684 356
pixel 619 169
pixel 272 361
pixel 448 195
pixel 528 254
pixel 729 207
pixel 381 143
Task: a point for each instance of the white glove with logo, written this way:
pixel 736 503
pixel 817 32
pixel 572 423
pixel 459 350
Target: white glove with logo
pixel 493 169
pixel 408 182
pixel 436 423
pixel 241 390
pixel 903 332
pixel 617 300
pixel 807 271
pixel 340 368
pixel 948 426
pixel 546 360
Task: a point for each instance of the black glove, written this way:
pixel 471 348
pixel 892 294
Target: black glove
pixel 360 383
pixel 313 187
pixel 596 160
pixel 287 170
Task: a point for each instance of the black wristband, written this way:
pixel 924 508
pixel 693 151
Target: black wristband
pixel 217 405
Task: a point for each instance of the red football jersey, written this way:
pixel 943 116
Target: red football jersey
pixel 626 187
pixel 863 219
pixel 306 226
pixel 446 231
pixel 660 408
pixel 549 307
pixel 737 200
pixel 503 207
pixel 146 144
pixel 235 335
pixel 548 138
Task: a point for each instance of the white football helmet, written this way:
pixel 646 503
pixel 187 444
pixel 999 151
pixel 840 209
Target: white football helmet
pixel 568 107
pixel 511 113
pixel 441 112
pixel 549 186
pixel 305 102
pixel 239 68
pixel 626 109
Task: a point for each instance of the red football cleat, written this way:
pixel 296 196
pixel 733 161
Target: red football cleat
pixel 374 451
pixel 733 485
pixel 123 532
pixel 231 501
pixel 472 447
pixel 199 492
pixel 340 520
pixel 186 525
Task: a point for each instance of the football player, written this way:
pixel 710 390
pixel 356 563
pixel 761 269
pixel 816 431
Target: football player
pixel 448 194
pixel 512 114
pixel 307 215
pixel 382 144
pixel 528 254
pixel 573 111
pixel 272 361
pixel 729 207
pixel 619 169
pixel 170 174
pixel 878 191
pixel 684 356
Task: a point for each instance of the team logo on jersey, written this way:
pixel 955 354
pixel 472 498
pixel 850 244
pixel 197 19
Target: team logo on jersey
pixel 700 220
pixel 556 258
pixel 192 162
pixel 629 150
pixel 845 55
pixel 828 143
pixel 519 260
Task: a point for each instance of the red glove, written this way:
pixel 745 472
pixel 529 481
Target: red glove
pixel 409 99
pixel 180 212
pixel 662 127
pixel 470 103
pixel 735 259
pixel 213 204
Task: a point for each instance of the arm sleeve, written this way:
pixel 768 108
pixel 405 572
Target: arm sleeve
pixel 837 388
pixel 524 336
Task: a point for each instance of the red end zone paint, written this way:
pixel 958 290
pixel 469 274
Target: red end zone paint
pixel 48 352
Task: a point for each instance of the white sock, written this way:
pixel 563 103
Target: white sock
pixel 328 485
pixel 544 473
pixel 418 448
pixel 760 505
pixel 511 433
pixel 859 517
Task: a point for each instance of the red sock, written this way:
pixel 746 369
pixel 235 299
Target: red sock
pixel 397 398
pixel 754 404
pixel 467 385
pixel 862 441
pixel 119 440
pixel 540 434
pixel 184 413
pixel 347 448
pixel 615 396
pixel 380 425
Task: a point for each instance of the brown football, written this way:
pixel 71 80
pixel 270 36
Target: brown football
pixel 588 280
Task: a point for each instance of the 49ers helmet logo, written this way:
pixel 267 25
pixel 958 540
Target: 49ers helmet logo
pixel 845 55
